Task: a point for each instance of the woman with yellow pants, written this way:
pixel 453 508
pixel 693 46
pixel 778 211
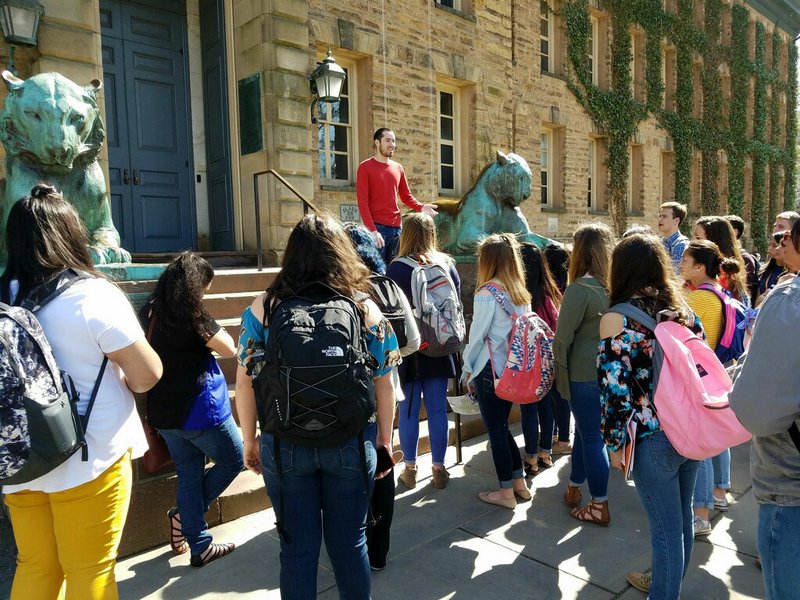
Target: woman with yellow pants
pixel 68 522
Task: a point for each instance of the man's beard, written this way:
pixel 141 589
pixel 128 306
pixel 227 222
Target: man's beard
pixel 387 153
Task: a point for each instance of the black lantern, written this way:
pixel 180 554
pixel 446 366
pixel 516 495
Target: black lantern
pixel 327 79
pixel 19 20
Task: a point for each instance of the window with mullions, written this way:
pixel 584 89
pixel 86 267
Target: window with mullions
pixel 456 4
pixel 448 142
pixel 546 37
pixel 334 138
pixel 591 196
pixel 546 167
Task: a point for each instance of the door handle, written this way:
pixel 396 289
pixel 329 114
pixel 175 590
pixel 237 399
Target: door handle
pixel 135 177
pixel 126 179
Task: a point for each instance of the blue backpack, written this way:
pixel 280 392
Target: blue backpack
pixel 736 320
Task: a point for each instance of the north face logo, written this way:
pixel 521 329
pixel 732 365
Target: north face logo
pixel 333 351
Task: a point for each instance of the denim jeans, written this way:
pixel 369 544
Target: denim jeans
pixel 391 241
pixel 434 390
pixel 494 411
pixel 665 482
pixel 562 413
pixel 198 487
pixel 534 415
pixel 779 546
pixel 704 486
pixel 722 470
pixel 589 457
pixel 321 493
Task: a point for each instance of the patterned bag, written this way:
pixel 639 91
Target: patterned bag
pixel 40 427
pixel 530 369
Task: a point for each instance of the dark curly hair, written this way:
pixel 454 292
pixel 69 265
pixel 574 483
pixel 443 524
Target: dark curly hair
pixel 178 297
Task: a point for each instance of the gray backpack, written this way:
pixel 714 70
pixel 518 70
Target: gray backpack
pixel 437 309
pixel 40 427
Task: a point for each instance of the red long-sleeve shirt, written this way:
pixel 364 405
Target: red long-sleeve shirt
pixel 378 185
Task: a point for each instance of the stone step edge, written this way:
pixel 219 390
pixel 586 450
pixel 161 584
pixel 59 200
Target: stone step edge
pixel 146 526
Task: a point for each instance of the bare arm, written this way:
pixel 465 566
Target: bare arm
pixel 246 411
pixel 384 397
pixel 140 364
pixel 222 344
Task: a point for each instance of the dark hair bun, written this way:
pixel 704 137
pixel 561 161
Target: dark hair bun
pixel 730 265
pixel 42 190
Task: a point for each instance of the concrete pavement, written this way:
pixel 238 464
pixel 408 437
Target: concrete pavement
pixel 448 544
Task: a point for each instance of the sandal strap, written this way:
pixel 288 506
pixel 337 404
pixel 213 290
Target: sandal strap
pixel 215 551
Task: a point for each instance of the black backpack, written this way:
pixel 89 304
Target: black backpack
pixel 40 427
pixel 386 294
pixel 316 386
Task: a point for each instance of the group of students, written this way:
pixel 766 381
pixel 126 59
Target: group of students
pixel 68 523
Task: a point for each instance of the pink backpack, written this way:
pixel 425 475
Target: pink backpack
pixel 691 389
pixel 529 370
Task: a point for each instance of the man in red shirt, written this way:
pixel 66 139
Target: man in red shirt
pixel 379 182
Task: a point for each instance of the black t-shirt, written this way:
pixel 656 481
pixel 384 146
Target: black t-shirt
pixel 185 357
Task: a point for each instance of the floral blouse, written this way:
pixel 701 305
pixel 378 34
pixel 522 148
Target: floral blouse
pixel 625 376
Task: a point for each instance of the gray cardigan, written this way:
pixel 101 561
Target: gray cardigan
pixel 766 396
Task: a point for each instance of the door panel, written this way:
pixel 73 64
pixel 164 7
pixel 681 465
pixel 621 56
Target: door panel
pixel 215 92
pixel 157 114
pixel 147 113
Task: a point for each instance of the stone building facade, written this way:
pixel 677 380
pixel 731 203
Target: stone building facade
pixel 455 79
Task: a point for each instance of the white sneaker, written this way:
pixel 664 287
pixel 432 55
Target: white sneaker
pixel 723 504
pixel 701 527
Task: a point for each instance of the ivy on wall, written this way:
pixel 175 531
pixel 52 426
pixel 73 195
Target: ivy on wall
pixel 617 114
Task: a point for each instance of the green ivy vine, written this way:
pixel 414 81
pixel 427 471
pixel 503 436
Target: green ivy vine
pixel 618 115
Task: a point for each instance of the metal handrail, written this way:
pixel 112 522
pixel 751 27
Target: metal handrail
pixel 306 205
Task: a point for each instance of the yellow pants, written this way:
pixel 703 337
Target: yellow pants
pixel 70 538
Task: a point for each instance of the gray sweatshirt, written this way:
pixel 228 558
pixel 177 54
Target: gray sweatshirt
pixel 766 396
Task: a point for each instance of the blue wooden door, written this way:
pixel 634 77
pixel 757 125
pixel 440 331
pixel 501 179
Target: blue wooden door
pixel 218 147
pixel 147 108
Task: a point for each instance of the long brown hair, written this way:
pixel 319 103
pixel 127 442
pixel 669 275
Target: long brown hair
pixel 319 250
pixel 178 297
pixel 499 258
pixel 640 266
pixel 418 239
pixel 720 231
pixel 591 252
pixel 44 235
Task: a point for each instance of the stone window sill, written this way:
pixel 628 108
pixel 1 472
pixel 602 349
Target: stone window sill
pixel 456 12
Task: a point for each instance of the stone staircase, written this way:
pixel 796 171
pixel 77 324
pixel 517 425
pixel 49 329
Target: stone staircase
pixel 154 493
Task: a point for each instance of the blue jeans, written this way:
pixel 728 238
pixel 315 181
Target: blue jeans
pixel 562 412
pixel 434 390
pixel 779 546
pixel 722 470
pixel 198 487
pixel 533 415
pixel 589 457
pixel 665 482
pixel 391 241
pixel 704 486
pixel 321 492
pixel 494 411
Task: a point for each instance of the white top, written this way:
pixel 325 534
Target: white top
pixel 90 319
pixel 489 320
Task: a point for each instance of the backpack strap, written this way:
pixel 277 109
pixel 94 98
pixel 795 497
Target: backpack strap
pixel 729 327
pixel 84 418
pixel 626 309
pixel 42 295
pixel 501 298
